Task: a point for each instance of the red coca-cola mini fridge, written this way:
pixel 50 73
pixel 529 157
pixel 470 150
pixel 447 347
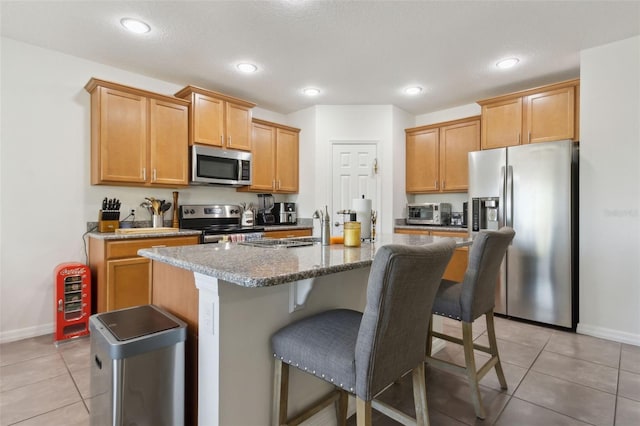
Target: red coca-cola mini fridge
pixel 72 300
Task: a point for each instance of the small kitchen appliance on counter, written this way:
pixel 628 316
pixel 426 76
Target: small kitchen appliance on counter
pixel 218 222
pixel 265 210
pixel 285 213
pixel 429 214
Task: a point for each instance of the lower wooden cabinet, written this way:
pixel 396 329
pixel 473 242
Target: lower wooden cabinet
pixel 458 264
pixel 122 278
pixel 289 233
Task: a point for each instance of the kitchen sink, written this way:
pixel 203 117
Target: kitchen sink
pixel 281 242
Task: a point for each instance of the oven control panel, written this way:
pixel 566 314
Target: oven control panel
pixel 212 211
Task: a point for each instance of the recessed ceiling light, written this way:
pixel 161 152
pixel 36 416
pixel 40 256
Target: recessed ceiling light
pixel 507 63
pixel 135 26
pixel 247 67
pixel 414 90
pixel 311 91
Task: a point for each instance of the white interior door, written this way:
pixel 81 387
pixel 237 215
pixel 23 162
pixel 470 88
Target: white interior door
pixel 354 174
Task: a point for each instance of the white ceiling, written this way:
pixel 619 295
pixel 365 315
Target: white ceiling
pixel 356 52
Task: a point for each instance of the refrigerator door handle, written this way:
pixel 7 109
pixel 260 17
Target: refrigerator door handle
pixel 509 197
pixel 502 210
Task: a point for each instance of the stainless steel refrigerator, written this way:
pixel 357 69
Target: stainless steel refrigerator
pixel 533 189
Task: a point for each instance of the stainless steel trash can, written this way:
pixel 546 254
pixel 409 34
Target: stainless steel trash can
pixel 137 367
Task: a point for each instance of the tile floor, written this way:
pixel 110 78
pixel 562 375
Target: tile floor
pixel 554 378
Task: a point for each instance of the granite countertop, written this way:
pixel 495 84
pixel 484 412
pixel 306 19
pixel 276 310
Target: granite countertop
pixel 170 232
pixel 262 267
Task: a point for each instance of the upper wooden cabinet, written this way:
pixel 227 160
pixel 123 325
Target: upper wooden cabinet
pixel 218 120
pixel 436 155
pixel 542 114
pixel 274 158
pixel 137 137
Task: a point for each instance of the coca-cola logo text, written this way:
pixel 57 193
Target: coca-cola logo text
pixel 72 271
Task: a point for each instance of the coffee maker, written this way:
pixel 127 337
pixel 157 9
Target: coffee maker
pixel 265 210
pixel 285 213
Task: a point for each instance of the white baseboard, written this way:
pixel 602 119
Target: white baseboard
pixel 25 333
pixel 609 334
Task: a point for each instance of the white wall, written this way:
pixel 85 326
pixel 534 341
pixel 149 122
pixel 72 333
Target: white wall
pixel 356 123
pixel 610 191
pixel 449 114
pixel 45 195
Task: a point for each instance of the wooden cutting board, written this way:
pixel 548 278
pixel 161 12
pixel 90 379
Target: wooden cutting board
pixel 131 231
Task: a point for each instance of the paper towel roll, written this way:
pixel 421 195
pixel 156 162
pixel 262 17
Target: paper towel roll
pixel 362 207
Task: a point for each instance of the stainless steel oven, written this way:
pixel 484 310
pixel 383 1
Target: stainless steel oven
pixel 218 223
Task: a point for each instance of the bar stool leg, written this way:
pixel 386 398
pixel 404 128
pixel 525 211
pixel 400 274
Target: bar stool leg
pixel 430 336
pixel 280 393
pixel 363 412
pixel 493 347
pixel 420 396
pixel 341 407
pixel 470 364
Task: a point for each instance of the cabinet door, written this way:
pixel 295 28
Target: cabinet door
pixel 549 115
pixel 422 161
pixel 459 261
pixel 169 146
pixel 456 141
pixel 263 157
pixel 238 127
pixel 286 161
pixel 208 120
pixel 128 283
pixel 122 148
pixel 501 123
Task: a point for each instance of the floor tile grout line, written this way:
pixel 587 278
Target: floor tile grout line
pixel 73 380
pixel 615 402
pixel 17 422
pixel 554 411
pixel 547 408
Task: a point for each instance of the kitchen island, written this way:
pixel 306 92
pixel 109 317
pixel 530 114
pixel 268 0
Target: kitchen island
pixel 244 294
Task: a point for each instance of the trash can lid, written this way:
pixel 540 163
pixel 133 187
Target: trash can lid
pixel 140 321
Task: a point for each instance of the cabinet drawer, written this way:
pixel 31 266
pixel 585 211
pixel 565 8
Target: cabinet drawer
pixel 129 248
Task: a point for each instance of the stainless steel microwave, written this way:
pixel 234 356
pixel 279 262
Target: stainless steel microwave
pixel 429 214
pixel 220 166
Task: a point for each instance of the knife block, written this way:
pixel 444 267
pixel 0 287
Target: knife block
pixel 106 221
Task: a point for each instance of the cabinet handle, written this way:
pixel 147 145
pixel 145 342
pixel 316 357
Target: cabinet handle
pixel 529 137
pixel 444 184
pixel 436 183
pixel 221 141
pixel 279 183
pixel 159 246
pixel 144 173
pixel 519 139
pixel 273 184
pixel 155 176
pixel 228 140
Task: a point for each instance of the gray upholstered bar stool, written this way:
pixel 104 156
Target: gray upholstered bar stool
pixel 362 353
pixel 469 300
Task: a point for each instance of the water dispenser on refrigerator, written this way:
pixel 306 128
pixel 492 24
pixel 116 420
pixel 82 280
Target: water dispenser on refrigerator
pixel 485 213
